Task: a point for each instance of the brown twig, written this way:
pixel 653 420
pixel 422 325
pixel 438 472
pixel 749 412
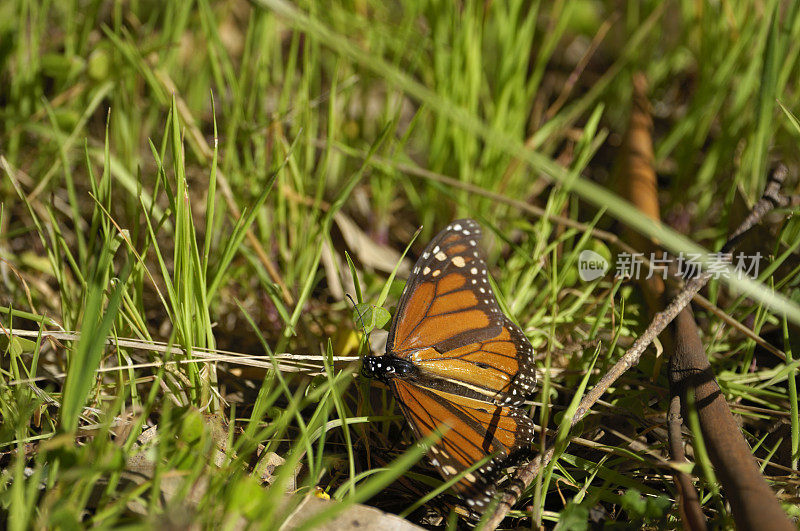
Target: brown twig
pixel 771 199
pixel 752 502
pixel 690 509
pixel 638 183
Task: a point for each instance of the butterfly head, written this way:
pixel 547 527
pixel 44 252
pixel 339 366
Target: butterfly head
pixel 384 368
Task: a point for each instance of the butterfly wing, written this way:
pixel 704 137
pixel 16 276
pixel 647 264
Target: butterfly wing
pixel 476 429
pixel 450 325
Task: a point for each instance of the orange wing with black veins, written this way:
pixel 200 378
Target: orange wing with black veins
pixel 475 429
pixel 450 325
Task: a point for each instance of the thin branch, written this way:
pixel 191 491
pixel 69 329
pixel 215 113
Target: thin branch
pixel 771 199
pixel 689 501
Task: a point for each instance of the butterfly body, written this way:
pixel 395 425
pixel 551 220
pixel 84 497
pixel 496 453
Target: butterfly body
pixel 384 368
pixel 454 361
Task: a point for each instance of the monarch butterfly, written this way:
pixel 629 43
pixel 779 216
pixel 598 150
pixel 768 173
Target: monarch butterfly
pixel 453 358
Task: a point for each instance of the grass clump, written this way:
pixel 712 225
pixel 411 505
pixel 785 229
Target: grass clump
pixel 188 191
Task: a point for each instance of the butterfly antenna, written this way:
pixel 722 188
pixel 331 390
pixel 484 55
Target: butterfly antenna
pixel 360 318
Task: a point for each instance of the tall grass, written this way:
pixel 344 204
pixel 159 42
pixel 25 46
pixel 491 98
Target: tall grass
pixel 190 189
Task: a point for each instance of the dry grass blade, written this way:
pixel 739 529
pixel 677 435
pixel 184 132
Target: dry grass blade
pixel 309 364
